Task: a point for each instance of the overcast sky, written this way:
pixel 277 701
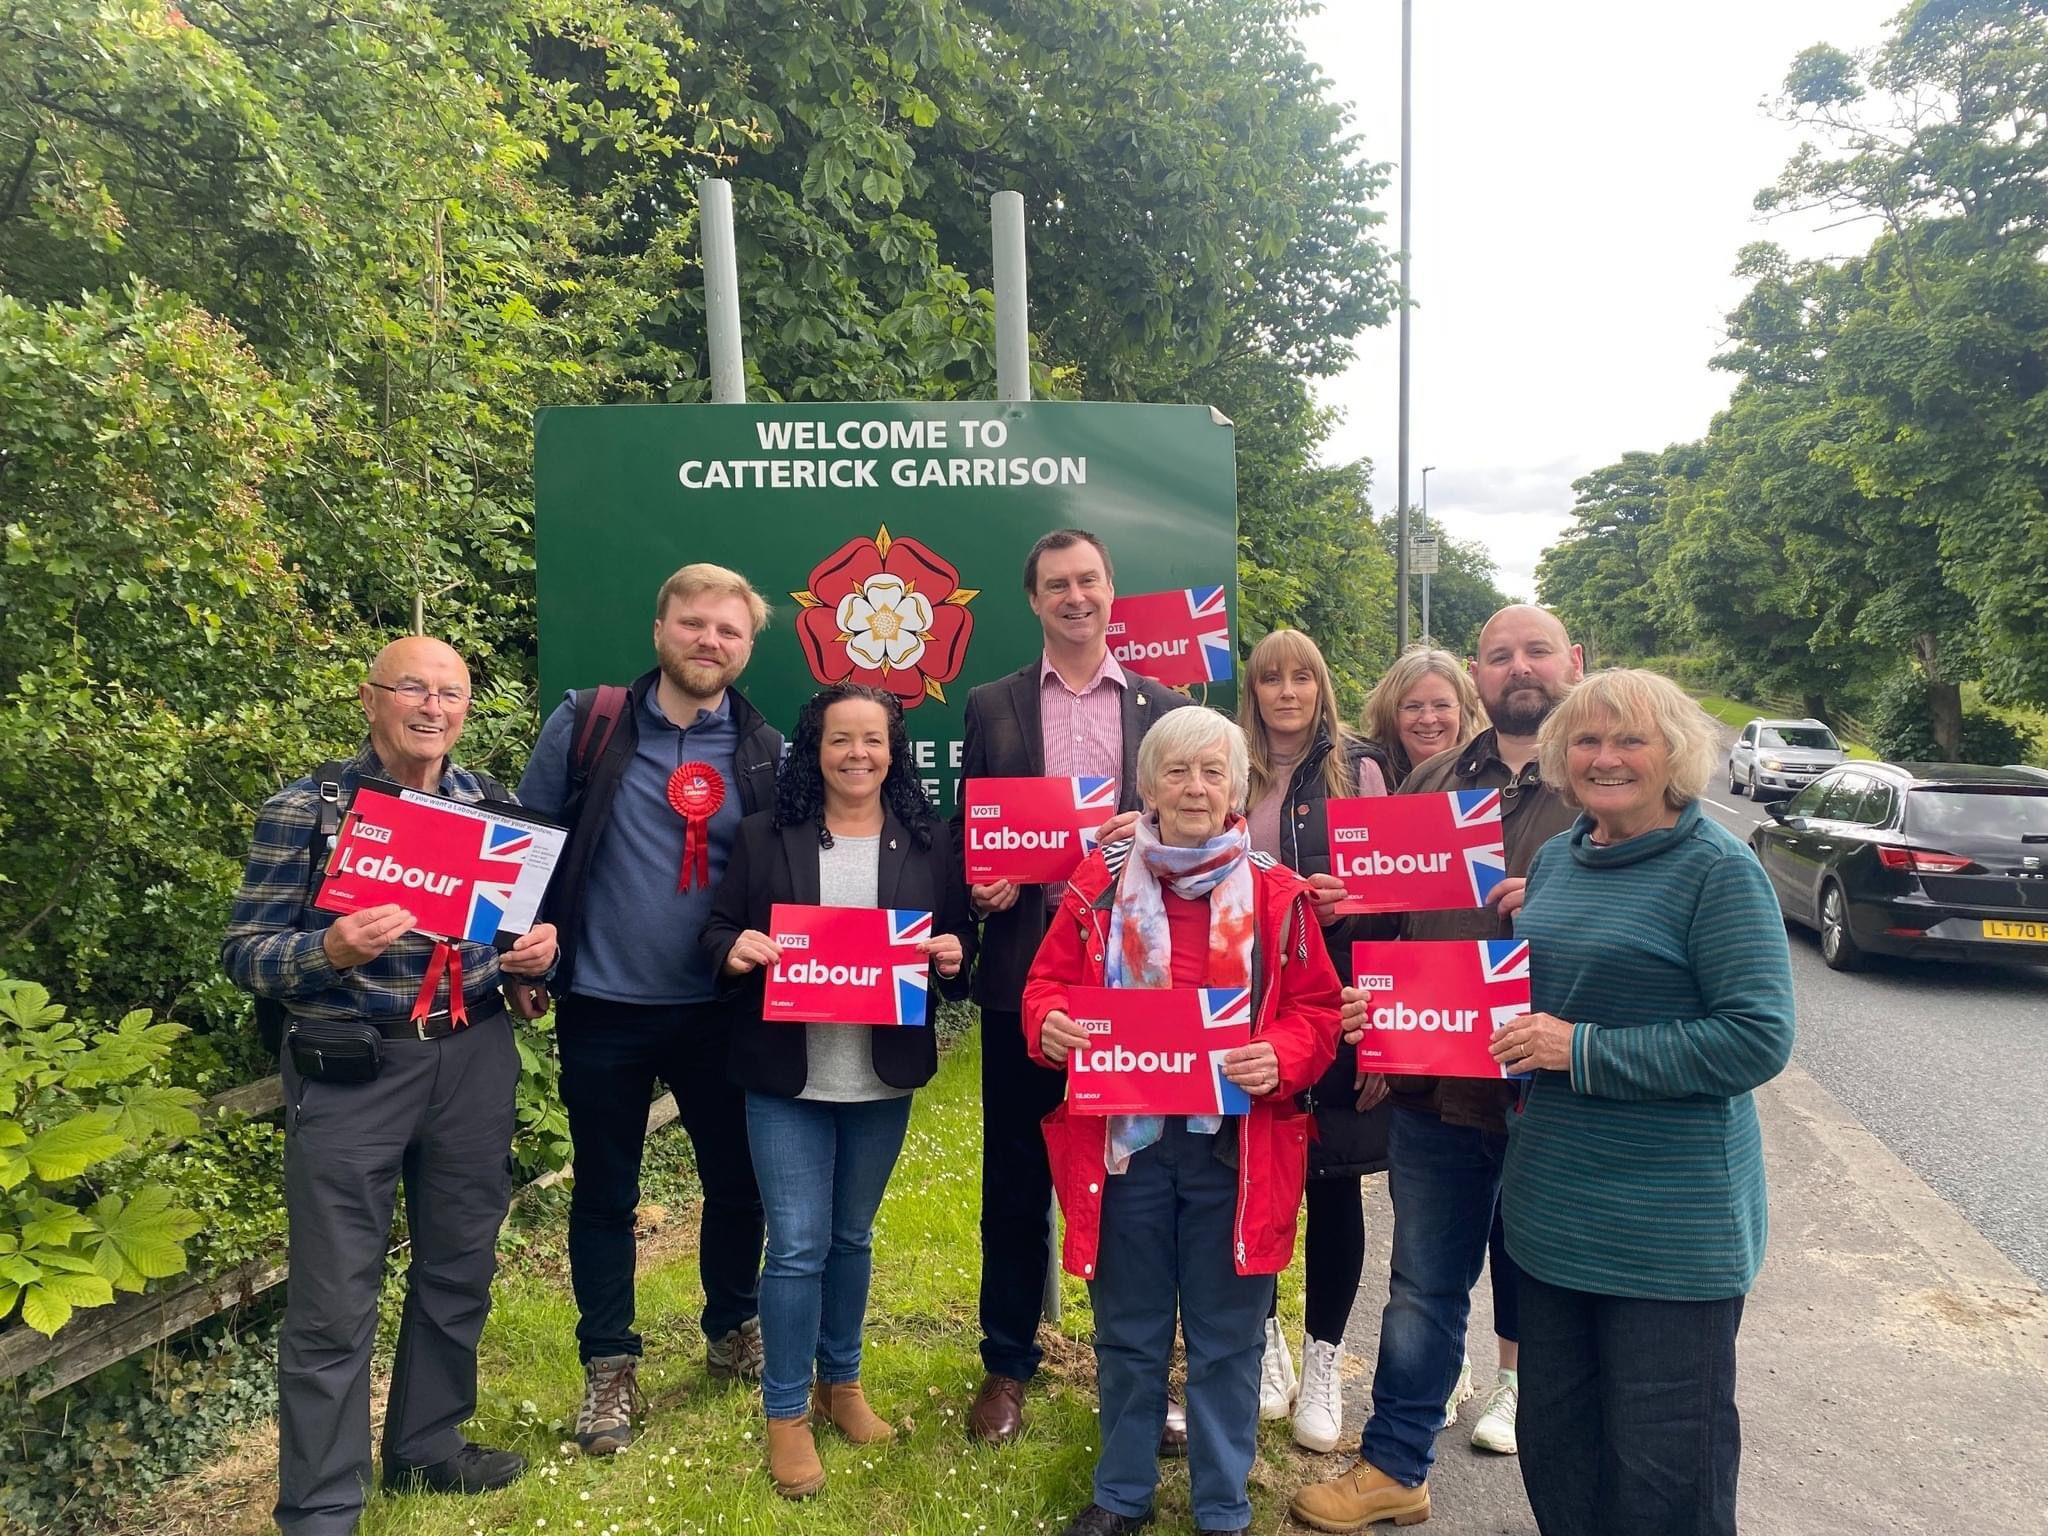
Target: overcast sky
pixel 1583 181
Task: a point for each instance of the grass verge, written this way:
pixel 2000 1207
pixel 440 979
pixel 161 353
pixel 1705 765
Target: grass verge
pixel 698 1470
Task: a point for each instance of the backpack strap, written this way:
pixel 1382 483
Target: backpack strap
pixel 326 821
pixel 598 711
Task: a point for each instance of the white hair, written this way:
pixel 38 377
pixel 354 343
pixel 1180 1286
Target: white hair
pixel 1179 735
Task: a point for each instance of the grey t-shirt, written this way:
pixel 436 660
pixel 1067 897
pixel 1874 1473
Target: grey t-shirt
pixel 842 1061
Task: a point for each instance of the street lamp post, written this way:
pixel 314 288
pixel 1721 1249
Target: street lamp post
pixel 1425 575
pixel 1401 490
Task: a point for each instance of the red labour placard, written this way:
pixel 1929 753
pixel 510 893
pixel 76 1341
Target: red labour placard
pixel 1436 1003
pixel 464 871
pixel 1157 1051
pixel 1417 853
pixel 1180 637
pixel 848 965
pixel 1033 831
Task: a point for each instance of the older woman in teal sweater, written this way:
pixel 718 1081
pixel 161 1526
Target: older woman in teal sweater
pixel 1634 1190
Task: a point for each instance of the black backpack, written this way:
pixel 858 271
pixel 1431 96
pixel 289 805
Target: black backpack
pixel 272 1015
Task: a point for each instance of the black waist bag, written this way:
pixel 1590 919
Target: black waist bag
pixel 335 1053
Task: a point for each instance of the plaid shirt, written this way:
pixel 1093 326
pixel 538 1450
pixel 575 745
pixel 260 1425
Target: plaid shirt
pixel 274 940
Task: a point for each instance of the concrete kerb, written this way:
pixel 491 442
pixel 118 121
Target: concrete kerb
pixel 1894 1364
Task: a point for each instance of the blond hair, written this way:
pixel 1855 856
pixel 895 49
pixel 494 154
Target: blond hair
pixel 1177 735
pixel 1635 700
pixel 1383 709
pixel 696 580
pixel 1285 649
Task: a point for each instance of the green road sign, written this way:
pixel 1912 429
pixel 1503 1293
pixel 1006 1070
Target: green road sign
pixel 889 539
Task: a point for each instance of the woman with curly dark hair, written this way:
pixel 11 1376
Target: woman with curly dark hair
pixel 828 1104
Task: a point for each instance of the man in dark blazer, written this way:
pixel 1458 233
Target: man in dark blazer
pixel 1071 710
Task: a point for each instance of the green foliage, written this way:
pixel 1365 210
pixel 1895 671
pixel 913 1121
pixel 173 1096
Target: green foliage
pixel 1900 729
pixel 1597 577
pixel 78 1455
pixel 541 1144
pixel 73 1101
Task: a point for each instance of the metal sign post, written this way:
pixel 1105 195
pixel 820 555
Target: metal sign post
pixel 1422 561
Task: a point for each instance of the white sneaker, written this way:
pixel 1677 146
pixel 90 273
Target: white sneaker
pixel 1319 1406
pixel 1495 1430
pixel 1461 1393
pixel 1276 1375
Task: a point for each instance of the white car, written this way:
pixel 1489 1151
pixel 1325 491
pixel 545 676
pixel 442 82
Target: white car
pixel 1780 757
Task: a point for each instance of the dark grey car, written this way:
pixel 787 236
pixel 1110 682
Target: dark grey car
pixel 1932 860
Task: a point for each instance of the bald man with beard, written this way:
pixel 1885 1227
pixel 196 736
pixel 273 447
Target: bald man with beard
pixel 1447 1141
pixel 438 1110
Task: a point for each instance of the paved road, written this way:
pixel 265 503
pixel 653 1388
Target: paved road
pixel 1973 1126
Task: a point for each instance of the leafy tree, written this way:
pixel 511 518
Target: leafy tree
pixel 1596 577
pixel 1940 137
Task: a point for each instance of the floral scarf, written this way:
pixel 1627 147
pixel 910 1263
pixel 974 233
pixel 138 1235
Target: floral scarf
pixel 1140 952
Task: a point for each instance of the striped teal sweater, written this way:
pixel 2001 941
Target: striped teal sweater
pixel 1641 1171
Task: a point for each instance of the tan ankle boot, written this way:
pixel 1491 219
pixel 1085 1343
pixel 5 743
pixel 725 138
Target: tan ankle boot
pixel 1358 1497
pixel 847 1407
pixel 793 1458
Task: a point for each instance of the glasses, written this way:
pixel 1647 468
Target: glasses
pixel 1415 709
pixel 417 694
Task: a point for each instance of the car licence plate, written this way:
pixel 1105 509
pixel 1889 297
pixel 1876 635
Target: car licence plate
pixel 2028 933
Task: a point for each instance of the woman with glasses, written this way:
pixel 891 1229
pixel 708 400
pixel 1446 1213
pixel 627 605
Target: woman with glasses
pixel 1426 704
pixel 1422 705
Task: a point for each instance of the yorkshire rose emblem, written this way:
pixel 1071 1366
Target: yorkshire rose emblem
pixel 887 613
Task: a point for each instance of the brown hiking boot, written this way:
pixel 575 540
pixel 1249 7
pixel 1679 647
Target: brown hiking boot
pixel 1358 1497
pixel 847 1407
pixel 736 1356
pixel 793 1458
pixel 611 1394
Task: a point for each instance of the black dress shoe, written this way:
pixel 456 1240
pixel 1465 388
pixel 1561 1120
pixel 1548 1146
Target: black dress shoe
pixel 1097 1521
pixel 473 1469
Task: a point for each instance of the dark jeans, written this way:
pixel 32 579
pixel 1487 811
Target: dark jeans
pixel 1445 1184
pixel 440 1116
pixel 1167 1228
pixel 1333 1255
pixel 1016 1192
pixel 1627 1421
pixel 611 1055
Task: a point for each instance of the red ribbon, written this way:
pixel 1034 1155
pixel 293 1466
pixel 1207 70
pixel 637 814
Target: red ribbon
pixel 446 957
pixel 695 792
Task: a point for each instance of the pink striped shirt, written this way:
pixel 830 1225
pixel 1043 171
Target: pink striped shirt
pixel 1083 732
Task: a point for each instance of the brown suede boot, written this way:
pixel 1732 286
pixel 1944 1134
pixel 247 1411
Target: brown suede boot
pixel 847 1407
pixel 793 1458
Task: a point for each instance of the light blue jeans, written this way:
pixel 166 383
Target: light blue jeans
pixel 822 1169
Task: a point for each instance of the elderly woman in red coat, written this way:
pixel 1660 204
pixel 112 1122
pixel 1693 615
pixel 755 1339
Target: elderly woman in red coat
pixel 1190 1214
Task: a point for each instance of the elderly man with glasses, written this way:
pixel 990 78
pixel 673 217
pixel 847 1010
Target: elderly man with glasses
pixel 388 1070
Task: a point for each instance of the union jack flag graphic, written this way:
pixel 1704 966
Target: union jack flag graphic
pixel 1093 793
pixel 501 855
pixel 1505 963
pixel 913 994
pixel 1486 864
pixel 1209 603
pixel 1470 807
pixel 907 927
pixel 1227 1008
